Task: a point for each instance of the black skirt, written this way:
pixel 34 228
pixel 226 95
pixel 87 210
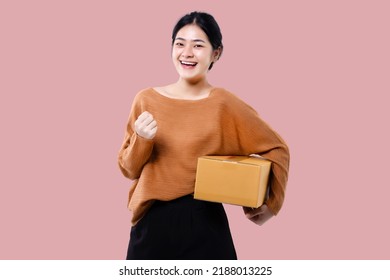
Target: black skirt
pixel 182 229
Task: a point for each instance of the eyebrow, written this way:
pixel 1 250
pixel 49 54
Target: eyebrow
pixel 195 40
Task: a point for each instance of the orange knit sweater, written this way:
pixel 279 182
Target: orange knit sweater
pixel 221 124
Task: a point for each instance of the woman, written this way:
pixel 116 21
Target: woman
pixel 168 129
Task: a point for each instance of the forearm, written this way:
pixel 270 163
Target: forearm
pixel 134 154
pixel 280 159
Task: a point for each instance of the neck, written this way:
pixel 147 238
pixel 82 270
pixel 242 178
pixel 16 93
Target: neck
pixel 195 89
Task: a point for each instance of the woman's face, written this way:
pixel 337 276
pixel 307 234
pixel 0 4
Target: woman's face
pixel 192 53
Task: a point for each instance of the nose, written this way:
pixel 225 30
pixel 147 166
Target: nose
pixel 187 52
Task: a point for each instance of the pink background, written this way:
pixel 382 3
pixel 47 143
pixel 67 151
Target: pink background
pixel 317 71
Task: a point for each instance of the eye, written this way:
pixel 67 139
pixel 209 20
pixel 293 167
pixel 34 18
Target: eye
pixel 179 44
pixel 198 46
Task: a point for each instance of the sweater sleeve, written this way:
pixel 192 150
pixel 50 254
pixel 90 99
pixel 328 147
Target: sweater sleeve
pixel 255 136
pixel 135 150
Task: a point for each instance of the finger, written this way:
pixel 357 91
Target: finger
pixel 249 213
pixel 141 119
pixel 254 219
pixel 150 133
pixel 151 125
pixel 143 116
pixel 147 121
pixel 253 212
pixel 153 131
pixel 258 220
pixel 246 209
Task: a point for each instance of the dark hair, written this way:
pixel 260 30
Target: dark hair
pixel 207 23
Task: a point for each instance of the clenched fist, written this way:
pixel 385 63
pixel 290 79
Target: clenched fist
pixel 146 125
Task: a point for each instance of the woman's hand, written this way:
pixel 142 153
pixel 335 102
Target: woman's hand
pixel 258 215
pixel 146 125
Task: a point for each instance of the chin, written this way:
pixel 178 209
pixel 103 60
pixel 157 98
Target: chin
pixel 191 78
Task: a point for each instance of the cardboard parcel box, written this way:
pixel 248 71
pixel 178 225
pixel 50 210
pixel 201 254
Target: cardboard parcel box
pixel 240 180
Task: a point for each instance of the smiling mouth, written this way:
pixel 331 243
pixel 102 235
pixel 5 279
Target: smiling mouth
pixel 187 63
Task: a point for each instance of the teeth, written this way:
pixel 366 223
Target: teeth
pixel 188 63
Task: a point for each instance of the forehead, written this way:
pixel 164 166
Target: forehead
pixel 192 32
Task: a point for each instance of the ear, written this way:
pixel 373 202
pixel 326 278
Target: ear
pixel 217 54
